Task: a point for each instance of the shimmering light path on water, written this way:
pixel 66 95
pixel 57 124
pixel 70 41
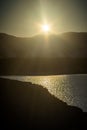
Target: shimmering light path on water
pixel 69 88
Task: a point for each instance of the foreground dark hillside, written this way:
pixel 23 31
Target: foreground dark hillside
pixel 43 66
pixel 30 106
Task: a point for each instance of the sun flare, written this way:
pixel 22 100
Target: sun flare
pixel 45 28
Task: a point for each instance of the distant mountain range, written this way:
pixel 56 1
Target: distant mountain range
pixel 69 44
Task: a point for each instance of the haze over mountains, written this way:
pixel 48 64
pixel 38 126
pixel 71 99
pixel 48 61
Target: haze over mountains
pixel 65 45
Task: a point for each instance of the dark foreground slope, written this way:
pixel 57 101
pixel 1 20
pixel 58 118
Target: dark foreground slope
pixel 26 105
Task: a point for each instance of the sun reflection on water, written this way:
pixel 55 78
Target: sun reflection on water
pixel 69 88
pixel 58 86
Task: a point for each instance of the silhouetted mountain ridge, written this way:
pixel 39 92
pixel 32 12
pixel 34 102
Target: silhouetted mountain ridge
pixel 70 44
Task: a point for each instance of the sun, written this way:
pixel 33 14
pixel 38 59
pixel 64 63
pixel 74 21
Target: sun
pixel 45 28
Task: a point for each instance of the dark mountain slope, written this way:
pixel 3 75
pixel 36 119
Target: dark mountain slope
pixel 26 106
pixel 64 45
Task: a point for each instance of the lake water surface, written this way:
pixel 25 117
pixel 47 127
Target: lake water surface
pixel 69 88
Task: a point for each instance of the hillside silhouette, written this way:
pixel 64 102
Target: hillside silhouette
pixel 43 54
pixel 28 106
pixel 63 45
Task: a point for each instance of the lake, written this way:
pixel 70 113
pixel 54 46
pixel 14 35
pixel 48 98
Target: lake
pixel 71 89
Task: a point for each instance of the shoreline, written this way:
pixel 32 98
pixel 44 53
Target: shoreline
pixel 26 101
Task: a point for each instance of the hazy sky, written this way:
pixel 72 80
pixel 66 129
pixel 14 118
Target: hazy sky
pixel 20 17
